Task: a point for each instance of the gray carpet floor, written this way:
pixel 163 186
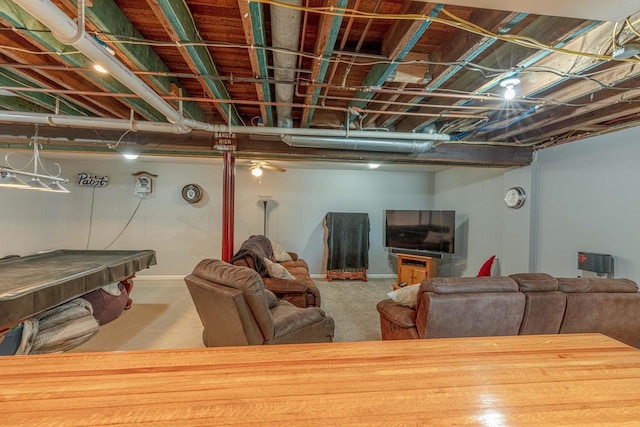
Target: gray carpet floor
pixel 352 304
pixel 164 317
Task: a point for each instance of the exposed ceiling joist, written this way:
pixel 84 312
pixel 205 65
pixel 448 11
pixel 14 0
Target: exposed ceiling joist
pixel 571 83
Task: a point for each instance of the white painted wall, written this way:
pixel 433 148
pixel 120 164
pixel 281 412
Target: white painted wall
pixel 589 202
pixel 183 234
pixel 475 195
pixel 581 197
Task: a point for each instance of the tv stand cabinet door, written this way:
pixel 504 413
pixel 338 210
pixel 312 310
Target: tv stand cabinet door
pixel 414 269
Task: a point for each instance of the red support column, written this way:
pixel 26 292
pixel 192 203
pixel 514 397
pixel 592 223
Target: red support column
pixel 228 196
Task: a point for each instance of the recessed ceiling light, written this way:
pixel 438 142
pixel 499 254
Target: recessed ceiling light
pixel 374 165
pixel 99 68
pixel 130 156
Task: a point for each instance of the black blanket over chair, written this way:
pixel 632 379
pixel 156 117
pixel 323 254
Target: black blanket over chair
pixel 347 241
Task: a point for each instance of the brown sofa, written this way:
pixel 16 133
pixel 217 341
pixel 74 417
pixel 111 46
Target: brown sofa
pixel 236 309
pixel 524 304
pixel 300 291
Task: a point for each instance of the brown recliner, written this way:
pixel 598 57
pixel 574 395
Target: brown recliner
pixel 236 309
pixel 300 291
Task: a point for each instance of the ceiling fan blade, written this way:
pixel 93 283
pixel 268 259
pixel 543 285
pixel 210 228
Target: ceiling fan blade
pixel 274 168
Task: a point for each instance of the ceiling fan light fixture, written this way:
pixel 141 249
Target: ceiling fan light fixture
pixel 256 171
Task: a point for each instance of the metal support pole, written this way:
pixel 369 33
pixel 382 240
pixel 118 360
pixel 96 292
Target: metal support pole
pixel 228 196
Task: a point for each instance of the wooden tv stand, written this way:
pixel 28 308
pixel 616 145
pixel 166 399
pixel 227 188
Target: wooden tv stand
pixel 414 269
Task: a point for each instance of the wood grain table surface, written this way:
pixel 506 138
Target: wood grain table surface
pixel 553 380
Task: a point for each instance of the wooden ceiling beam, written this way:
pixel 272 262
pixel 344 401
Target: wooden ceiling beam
pixel 63 79
pixel 66 106
pixel 548 30
pixel 579 92
pixel 559 120
pixel 12 16
pixel 326 36
pixel 401 38
pixel 559 65
pixel 462 46
pixel 444 154
pixel 106 18
pixel 177 20
pixel 254 31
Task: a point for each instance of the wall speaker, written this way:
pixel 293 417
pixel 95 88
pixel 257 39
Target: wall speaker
pixel 598 263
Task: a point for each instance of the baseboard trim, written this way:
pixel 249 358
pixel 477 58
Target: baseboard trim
pixel 161 277
pixel 369 276
pixel 313 276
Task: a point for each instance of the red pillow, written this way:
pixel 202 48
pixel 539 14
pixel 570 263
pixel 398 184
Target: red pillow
pixel 485 270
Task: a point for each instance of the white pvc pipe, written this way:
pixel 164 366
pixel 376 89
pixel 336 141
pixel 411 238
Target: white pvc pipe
pixel 90 122
pixel 120 124
pixel 64 28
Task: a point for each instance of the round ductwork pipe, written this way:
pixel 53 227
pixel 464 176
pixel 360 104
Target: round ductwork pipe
pixel 360 144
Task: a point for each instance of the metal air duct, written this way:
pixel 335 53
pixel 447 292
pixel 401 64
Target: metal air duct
pixel 285 30
pixel 360 144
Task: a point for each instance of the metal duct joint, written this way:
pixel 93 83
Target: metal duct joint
pixel 285 30
pixel 360 144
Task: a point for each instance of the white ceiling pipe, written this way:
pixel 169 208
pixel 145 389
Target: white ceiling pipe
pixel 64 28
pixel 146 126
pixel 90 122
pixel 285 34
pixel 360 144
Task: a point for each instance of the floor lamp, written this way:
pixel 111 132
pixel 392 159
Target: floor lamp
pixel 264 200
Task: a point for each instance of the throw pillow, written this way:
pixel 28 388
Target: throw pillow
pixel 279 253
pixel 276 270
pixel 407 295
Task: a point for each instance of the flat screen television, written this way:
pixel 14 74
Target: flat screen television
pixel 420 230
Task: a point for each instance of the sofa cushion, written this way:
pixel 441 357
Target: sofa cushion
pixel 455 285
pixel 596 285
pixel 407 296
pixel 276 270
pixel 535 282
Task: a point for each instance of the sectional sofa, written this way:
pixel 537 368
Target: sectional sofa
pixel 525 304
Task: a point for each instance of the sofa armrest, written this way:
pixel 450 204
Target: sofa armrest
pixel 287 318
pixel 400 315
pixel 293 255
pixel 285 286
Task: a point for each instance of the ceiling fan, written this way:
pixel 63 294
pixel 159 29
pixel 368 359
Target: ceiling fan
pixel 257 167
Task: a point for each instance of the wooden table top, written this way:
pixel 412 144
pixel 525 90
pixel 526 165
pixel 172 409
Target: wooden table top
pixel 496 381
